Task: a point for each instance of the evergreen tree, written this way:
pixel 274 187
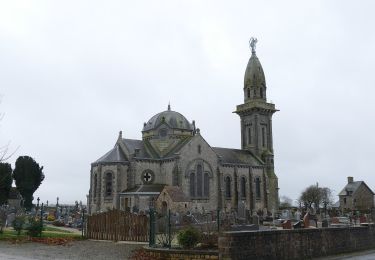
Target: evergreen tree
pixel 5 182
pixel 28 176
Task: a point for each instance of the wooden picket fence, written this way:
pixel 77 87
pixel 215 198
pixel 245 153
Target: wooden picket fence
pixel 118 225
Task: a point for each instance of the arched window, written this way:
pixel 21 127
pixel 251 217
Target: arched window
pixel 199 180
pixel 261 93
pixel 249 135
pixel 227 187
pixel 192 184
pixel 263 137
pixel 108 184
pixel 175 177
pixel 257 187
pixel 248 93
pixel 243 187
pixel 206 187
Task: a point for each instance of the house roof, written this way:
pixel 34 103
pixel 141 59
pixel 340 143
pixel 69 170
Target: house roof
pixel 352 187
pixel 236 156
pixel 176 194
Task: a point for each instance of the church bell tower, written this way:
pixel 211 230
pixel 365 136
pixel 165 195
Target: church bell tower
pixel 256 113
pixel 256 123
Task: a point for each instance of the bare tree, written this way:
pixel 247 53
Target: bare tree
pixel 285 202
pixel 327 198
pixel 311 197
pixel 5 154
pixel 315 196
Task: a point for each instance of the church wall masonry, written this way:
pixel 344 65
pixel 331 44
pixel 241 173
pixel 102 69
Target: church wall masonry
pixel 208 158
pixel 250 201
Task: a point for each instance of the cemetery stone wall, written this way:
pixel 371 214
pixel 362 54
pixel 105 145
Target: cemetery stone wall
pixel 295 244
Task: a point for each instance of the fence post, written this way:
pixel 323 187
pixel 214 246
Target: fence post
pixel 218 220
pixel 41 220
pixel 151 240
pixel 83 221
pixel 169 229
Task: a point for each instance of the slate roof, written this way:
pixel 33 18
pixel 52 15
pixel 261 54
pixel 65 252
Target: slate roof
pixel 114 155
pixel 172 118
pixel 133 144
pixel 176 194
pixel 227 155
pixel 254 75
pixel 352 187
pixel 236 156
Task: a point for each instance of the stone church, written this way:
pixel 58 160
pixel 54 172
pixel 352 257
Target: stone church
pixel 173 167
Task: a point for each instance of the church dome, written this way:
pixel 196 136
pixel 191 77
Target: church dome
pixel 173 119
pixel 254 75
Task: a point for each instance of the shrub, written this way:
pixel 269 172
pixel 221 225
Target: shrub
pixel 18 224
pixel 34 227
pixel 50 218
pixel 188 238
pixel 58 223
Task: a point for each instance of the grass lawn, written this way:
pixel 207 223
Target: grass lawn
pixel 59 230
pixel 49 232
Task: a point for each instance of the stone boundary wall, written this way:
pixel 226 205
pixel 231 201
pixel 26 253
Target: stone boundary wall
pixel 176 254
pixel 295 244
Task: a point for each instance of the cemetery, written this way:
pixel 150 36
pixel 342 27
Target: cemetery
pixel 289 233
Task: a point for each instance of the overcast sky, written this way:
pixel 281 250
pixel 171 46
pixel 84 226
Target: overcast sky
pixel 75 73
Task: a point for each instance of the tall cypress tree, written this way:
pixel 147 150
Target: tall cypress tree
pixel 5 182
pixel 28 176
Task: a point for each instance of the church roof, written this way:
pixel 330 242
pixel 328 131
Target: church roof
pixel 133 144
pixel 114 155
pixel 254 75
pixel 172 118
pixel 236 156
pixel 176 194
pixel 150 188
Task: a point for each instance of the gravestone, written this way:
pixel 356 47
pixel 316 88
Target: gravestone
pixel 306 220
pixel 241 212
pixel 255 219
pixel 287 224
pixel 298 215
pixel 10 219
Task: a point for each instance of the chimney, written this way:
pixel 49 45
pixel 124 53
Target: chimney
pixel 350 179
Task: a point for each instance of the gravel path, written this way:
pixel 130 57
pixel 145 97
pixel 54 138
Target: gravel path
pixel 86 249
